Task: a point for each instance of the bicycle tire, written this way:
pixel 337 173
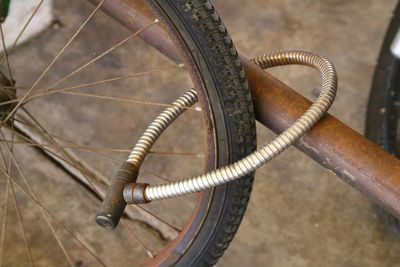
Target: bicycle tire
pixel 205 36
pixel 209 56
pixel 383 116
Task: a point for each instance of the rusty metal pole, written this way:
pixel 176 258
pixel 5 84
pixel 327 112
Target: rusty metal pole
pixel 331 143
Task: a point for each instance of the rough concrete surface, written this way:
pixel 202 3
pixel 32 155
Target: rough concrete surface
pixel 299 213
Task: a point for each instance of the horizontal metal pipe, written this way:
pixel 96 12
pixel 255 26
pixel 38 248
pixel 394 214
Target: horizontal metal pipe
pixel 331 143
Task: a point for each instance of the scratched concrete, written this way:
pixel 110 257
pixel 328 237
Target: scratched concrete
pixel 299 213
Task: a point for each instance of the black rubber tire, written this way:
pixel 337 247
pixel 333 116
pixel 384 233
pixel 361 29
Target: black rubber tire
pixel 218 62
pixel 383 113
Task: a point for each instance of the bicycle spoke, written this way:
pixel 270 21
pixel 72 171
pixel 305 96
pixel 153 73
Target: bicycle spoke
pixel 90 180
pixel 23 30
pixel 141 242
pixel 98 150
pixel 69 153
pixel 86 85
pixel 59 54
pixel 101 191
pixel 30 194
pixel 158 218
pixel 76 168
pixel 59 242
pixel 72 146
pixel 74 236
pixel 46 150
pixel 3 159
pixel 38 144
pixel 34 144
pixel 157 176
pixel 90 62
pixel 96 188
pixel 18 212
pixel 128 100
pixel 136 236
pixel 4 222
pixel 19 217
pixel 12 145
pixel 60 149
pixel 70 159
pixel 90 84
pixel 6 55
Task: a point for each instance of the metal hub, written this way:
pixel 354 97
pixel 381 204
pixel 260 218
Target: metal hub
pixel 7 94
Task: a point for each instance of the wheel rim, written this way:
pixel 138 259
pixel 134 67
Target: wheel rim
pixel 184 239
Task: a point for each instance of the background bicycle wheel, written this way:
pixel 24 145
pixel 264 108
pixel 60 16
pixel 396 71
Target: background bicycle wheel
pixel 307 216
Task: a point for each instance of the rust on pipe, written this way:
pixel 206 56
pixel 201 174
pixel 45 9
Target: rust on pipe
pixel 331 143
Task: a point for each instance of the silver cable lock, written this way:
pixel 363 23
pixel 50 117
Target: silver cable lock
pixel 124 188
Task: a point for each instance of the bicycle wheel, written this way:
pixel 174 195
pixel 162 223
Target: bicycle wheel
pixel 383 113
pixel 197 229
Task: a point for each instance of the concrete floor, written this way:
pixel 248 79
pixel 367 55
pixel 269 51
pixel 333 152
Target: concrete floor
pixel 299 213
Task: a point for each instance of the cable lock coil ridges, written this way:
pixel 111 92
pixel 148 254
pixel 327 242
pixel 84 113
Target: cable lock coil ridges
pixel 253 161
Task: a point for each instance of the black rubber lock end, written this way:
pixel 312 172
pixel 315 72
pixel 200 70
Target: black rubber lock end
pixel 114 204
